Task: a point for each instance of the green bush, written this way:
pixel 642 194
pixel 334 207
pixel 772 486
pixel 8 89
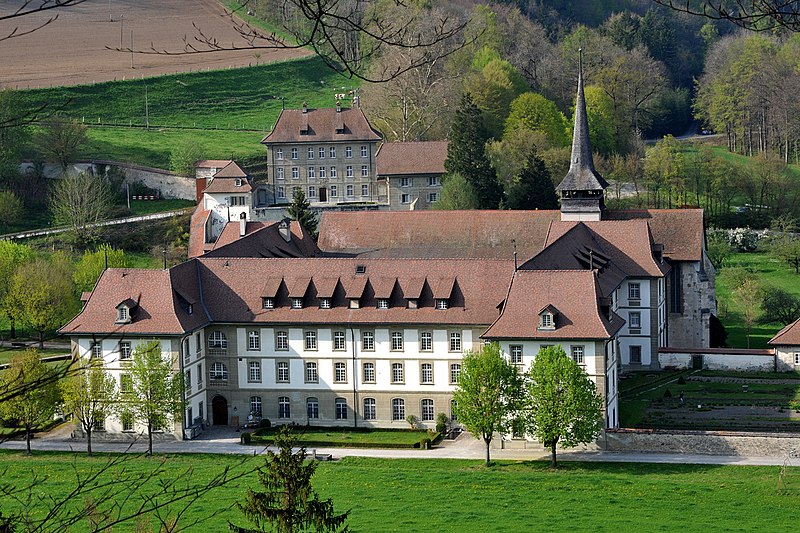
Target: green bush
pixel 265 423
pixel 681 381
pixel 667 394
pixel 247 437
pixel 441 423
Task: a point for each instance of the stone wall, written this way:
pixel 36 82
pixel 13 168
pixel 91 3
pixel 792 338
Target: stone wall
pixel 701 442
pixel 718 359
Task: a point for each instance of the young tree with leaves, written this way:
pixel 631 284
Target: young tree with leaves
pixel 92 265
pixel 779 306
pixel 36 393
pixel 488 394
pixel 80 201
pixel 288 503
pixel 89 396
pixel 456 194
pixel 12 255
pixel 156 397
pixel 61 140
pixel 533 188
pixel 300 210
pixel 562 402
pixel 466 154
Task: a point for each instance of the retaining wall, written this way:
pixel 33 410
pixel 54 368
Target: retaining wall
pixel 701 442
pixel 717 359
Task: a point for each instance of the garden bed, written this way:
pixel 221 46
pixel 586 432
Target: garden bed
pixel 327 437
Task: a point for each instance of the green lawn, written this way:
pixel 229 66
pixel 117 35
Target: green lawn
pixel 214 102
pixel 399 495
pixel 7 352
pixel 367 438
pixel 770 272
pixel 145 207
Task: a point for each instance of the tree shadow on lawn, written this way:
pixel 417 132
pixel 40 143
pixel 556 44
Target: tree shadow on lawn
pixel 567 466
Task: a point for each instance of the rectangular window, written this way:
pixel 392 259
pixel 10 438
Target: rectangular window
pixel 282 340
pixel 350 190
pixel 297 303
pixel 364 171
pixel 636 355
pixel 125 383
pixel 398 409
pixel 127 421
pixel 332 151
pixel 311 172
pixel 339 340
pixel 279 153
pixel 279 173
pixel 253 340
pixel 383 303
pixel 397 341
pixel 455 341
pixel 281 192
pixel 312 408
pixel 125 350
pixel 363 151
pixel 295 173
pixel 797 359
pixel 433 181
pixel 334 191
pixel 341 409
pixel 368 341
pixel 516 354
pixel 268 303
pixel 634 291
pixel 311 340
pixel 426 341
pixel 369 372
pixel 254 374
pixel 348 152
pixel 198 343
pixel 312 192
pixel 340 372
pixel 321 172
pixel 187 380
pixel 370 411
pixel 426 373
pixel 325 303
pixel 311 153
pixel 577 354
pixel 97 350
pixel 322 152
pixel 294 153
pixel 427 410
pixel 405 198
pixel 255 405
pixel 441 303
pixel 455 372
pixel 311 372
pixel 282 372
pixel 349 171
pixel 634 320
pixel 284 407
pixel 397 373
pixel 405 182
pixel 433 197
pixel 200 375
pixel 365 190
pixel 333 173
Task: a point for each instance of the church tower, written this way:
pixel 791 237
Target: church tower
pixel 581 190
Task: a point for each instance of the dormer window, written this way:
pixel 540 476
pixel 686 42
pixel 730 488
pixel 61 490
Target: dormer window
pixel 383 303
pixel 413 303
pixel 238 182
pixel 297 303
pixel 361 269
pixel 355 303
pixel 123 314
pixel 546 321
pixel 190 309
pixel 441 303
pixel 325 303
pixel 268 303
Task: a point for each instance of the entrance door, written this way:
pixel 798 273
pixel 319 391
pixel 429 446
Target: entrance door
pixel 219 409
pixel 323 194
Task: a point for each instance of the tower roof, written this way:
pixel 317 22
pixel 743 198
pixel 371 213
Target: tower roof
pixel 582 175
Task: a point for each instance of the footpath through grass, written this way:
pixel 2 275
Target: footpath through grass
pixel 457 495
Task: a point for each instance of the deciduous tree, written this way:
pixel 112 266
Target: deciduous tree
pixel 156 396
pixel 488 394
pixel 779 306
pixel 80 201
pixel 92 265
pixel 456 194
pixel 562 402
pixel 288 503
pixel 34 404
pixel 61 140
pixel 12 255
pixel 89 396
pixel 536 113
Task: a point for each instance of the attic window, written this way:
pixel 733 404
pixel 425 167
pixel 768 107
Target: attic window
pixel 325 303
pixel 355 303
pixel 361 269
pixel 441 303
pixel 546 321
pixel 123 315
pixel 297 303
pixel 190 309
pixel 413 303
pixel 238 182
pixel 383 303
pixel 268 303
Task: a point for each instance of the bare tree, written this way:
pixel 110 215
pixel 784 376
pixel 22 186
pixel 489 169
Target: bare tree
pixel 756 15
pixel 26 8
pixel 81 201
pixel 346 34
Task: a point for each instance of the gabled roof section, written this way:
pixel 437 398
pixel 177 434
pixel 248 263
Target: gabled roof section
pixel 581 175
pixel 322 125
pixel 325 286
pixel 223 185
pixel 383 286
pixel 271 287
pixel 231 170
pixel 412 287
pixel 411 158
pixel 573 293
pixel 442 288
pixel 354 286
pixel 263 239
pixel 679 230
pixel 213 163
pixel 788 336
pixel 299 288
pixel 197 231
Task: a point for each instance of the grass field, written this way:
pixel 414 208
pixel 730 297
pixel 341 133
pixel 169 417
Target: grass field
pixel 770 272
pixel 210 104
pixel 374 438
pixel 8 352
pixel 456 495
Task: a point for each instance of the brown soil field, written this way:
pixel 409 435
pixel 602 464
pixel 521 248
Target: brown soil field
pixel 72 50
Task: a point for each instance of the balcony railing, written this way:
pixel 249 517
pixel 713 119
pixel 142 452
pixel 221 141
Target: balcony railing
pixel 217 352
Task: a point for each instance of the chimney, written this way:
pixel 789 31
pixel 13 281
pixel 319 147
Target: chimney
pixel 242 224
pixel 338 106
pixel 305 107
pixel 284 229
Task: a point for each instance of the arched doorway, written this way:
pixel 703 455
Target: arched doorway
pixel 219 410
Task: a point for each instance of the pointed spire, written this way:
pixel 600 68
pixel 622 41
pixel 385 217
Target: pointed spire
pixel 582 175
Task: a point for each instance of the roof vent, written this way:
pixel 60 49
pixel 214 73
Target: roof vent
pixel 361 269
pixel 305 107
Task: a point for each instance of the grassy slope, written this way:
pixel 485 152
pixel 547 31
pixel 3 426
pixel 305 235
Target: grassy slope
pixel 399 495
pixel 246 98
pixel 769 272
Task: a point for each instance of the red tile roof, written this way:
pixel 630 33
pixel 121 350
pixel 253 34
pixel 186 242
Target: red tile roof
pixel 404 158
pixel 231 295
pixel 679 230
pixel 479 234
pixel 197 232
pixel 231 170
pixel 212 163
pixel 574 293
pixel 788 336
pixel 322 125
pixel 263 239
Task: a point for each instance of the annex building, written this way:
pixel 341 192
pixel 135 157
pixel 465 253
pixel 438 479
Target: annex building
pixel 370 324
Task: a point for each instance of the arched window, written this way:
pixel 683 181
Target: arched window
pixel 398 409
pixel 219 371
pixel 427 410
pixel 370 409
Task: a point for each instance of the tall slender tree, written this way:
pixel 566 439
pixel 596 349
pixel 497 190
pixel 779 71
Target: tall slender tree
pixel 300 210
pixel 89 396
pixel 466 154
pixel 533 188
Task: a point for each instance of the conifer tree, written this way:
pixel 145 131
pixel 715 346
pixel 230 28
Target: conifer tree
pixel 466 154
pixel 533 188
pixel 300 210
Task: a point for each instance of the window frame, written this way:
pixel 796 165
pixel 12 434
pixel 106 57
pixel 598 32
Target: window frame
pixel 426 341
pixel 455 372
pixel 254 374
pixel 311 371
pixel 398 410
pixel 368 341
pixel 340 408
pixel 427 410
pixel 256 405
pixel 310 340
pixel 294 153
pixel 339 341
pixel 339 372
pixel 423 371
pixel 218 371
pixel 125 352
pixel 364 377
pixel 267 302
pixel 396 341
pixel 284 407
pixel 253 340
pixel 578 354
pixel 638 350
pixel 96 350
pixel 312 408
pixel 454 342
pixel 282 367
pixel 398 373
pixel 370 409
pixel 515 353
pixel 634 288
